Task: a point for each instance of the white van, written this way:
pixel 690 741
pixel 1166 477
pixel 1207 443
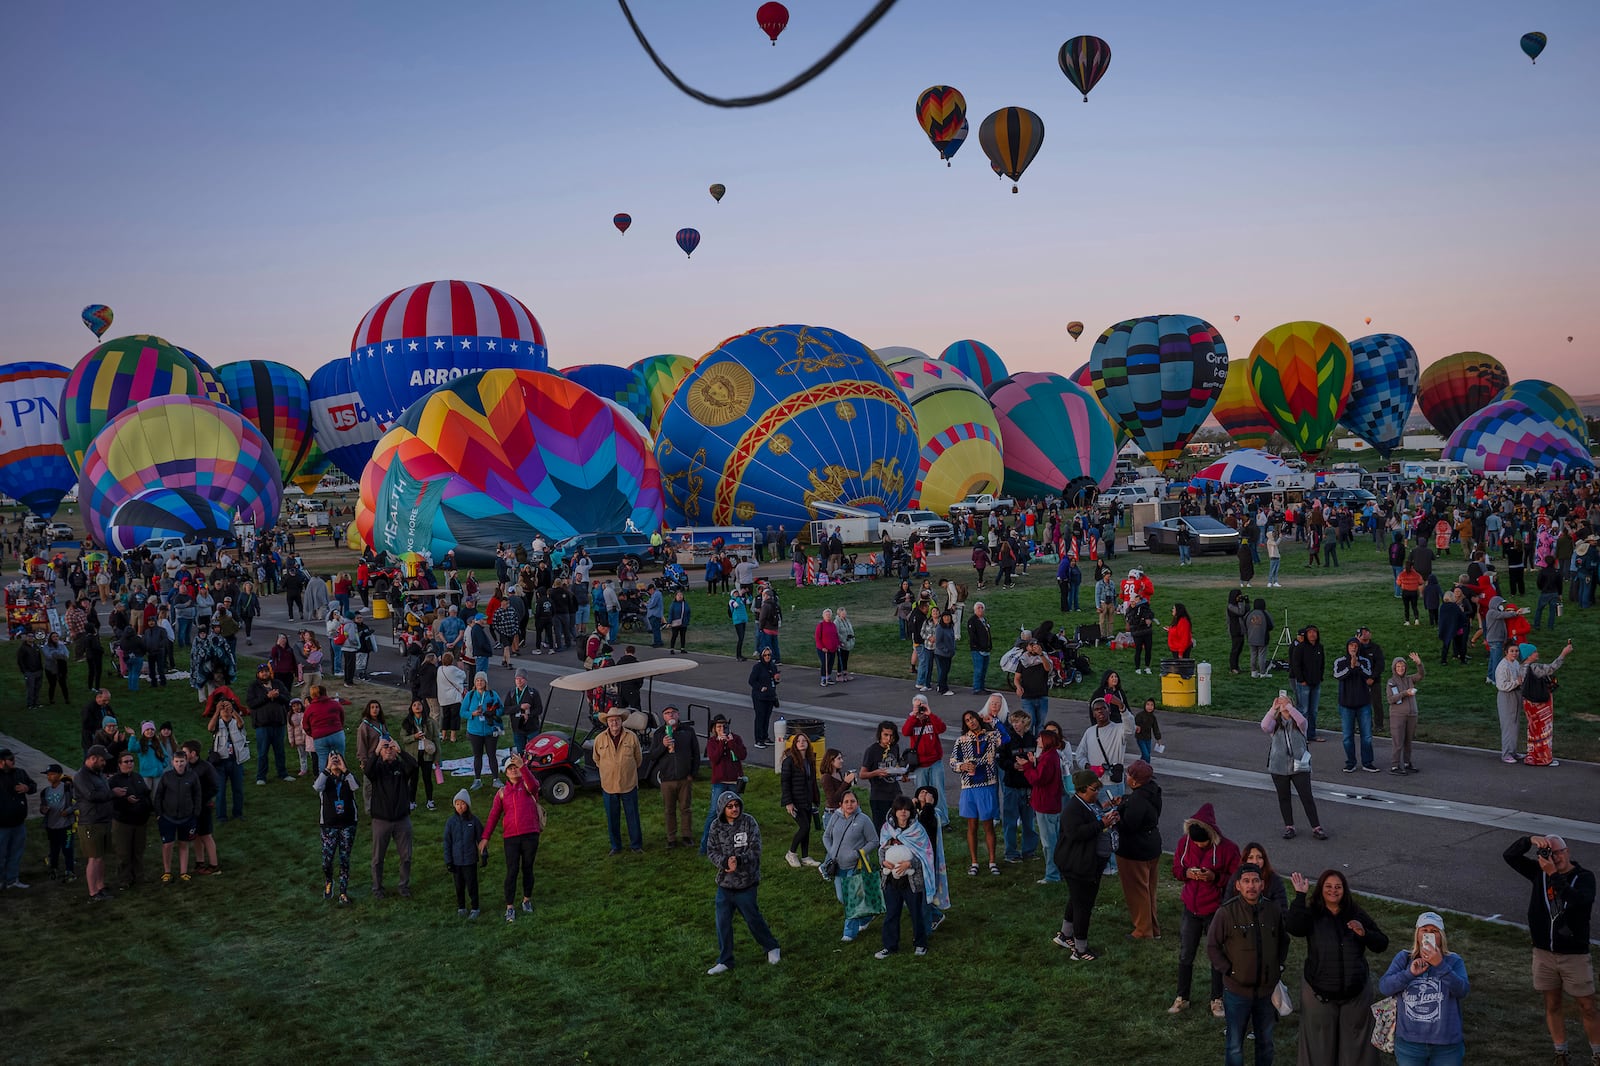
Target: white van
pixel 1431 472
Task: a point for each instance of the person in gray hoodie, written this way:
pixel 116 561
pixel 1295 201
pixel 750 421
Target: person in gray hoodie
pixel 849 835
pixel 1494 631
pixel 734 848
pixel 176 800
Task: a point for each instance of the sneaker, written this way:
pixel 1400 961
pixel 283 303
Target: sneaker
pixel 809 861
pixel 344 900
pixel 847 940
pixel 261 780
pixel 413 806
pixel 461 912
pixel 1372 770
pixel 1179 1005
pixel 1288 832
pixel 1508 759
pixel 1061 940
pixel 773 956
pixel 1410 769
pixel 920 952
pixel 948 692
pixel 327 890
pixel 430 805
pixel 882 953
pixel 472 914
pixel 1046 881
pixel 993 869
pixel 718 968
pixel 496 783
pixel 527 906
pixel 1349 769
pixel 476 784
pixel 972 871
pixel 511 914
pixel 1216 1009
pixel 1083 956
pixel 1319 833
pixel 1398 770
pixel 1552 762
pixel 761 744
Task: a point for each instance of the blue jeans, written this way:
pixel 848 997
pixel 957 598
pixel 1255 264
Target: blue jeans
pixel 1183 555
pixel 767 640
pixel 135 668
pixel 615 618
pixel 1348 716
pixel 618 803
pixel 1272 569
pixel 1396 570
pixel 1257 1013
pixel 323 745
pixel 338 658
pixel 1408 1054
pixel 1049 828
pixel 11 841
pixel 1072 595
pixel 933 777
pixel 230 773
pixel 269 736
pixel 1550 600
pixel 717 789
pixel 742 900
pixel 1038 708
pixel 1307 697
pixel 924 666
pixel 655 630
pixel 1497 651
pixel 980 671
pixel 1146 749
pixel 1016 820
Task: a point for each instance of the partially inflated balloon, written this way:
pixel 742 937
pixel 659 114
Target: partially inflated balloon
pixel 1011 137
pixel 778 423
pixel 961 450
pixel 1552 401
pixel 772 17
pixel 312 468
pixel 1507 432
pixel 1383 388
pixel 499 456
pixel 622 221
pixel 113 378
pixel 343 428
pixel 418 338
pixel 1532 44
pixel 660 376
pixel 33 465
pixel 1057 439
pixel 1084 61
pixel 210 385
pixel 1237 412
pixel 718 191
pixel 277 401
pixel 688 240
pixel 178 442
pixel 98 318
pixel 1157 377
pixel 618 383
pixel 1457 386
pixel 977 361
pixel 163 512
pixel 1075 329
pixel 1300 373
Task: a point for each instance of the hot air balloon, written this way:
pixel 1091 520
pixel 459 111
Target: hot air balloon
pixel 1532 44
pixel 501 455
pixel 1247 466
pixel 977 361
pixel 277 401
pixel 1508 431
pixel 961 450
pixel 772 18
pixel 1459 385
pixel 114 377
pixel 420 337
pixel 98 318
pixel 1075 329
pixel 622 220
pixel 210 385
pixel 1084 61
pixel 1236 318
pixel 1300 373
pixel 941 112
pixel 618 383
pixel 894 353
pixel 340 422
pixel 718 191
pixel 33 465
pixel 1383 387
pixel 660 376
pixel 776 424
pixel 1369 320
pixel 1551 401
pixel 1011 138
pixel 1157 378
pixel 949 148
pixel 1237 412
pixel 166 512
pixel 688 240
pixel 1082 378
pixel 312 468
pixel 1057 439
pixel 177 442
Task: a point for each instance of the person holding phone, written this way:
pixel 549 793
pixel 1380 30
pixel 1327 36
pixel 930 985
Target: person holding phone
pixel 1428 982
pixel 1289 763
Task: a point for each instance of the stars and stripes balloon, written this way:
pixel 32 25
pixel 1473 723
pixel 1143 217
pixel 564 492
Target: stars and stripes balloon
pixel 114 377
pixel 344 429
pixel 1246 466
pixel 33 465
pixel 977 361
pixel 1057 439
pixel 1158 377
pixel 1457 386
pixel 1383 388
pixel 1300 373
pixel 420 337
pixel 961 450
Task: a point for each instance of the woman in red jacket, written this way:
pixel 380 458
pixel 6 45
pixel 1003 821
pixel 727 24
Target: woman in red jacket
pixel 1180 634
pixel 517 802
pixel 324 724
pixel 827 641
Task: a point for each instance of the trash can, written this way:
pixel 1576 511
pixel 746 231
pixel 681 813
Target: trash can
pixel 1178 682
pixel 814 729
pixel 380 608
pixel 1203 685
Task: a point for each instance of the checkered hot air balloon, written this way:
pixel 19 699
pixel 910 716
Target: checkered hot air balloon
pixel 1383 388
pixel 1507 432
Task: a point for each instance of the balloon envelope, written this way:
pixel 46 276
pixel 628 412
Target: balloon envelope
pixel 499 456
pixel 779 422
pixel 660 376
pixel 688 240
pixel 1157 377
pixel 977 361
pixel 98 318
pixel 1075 329
pixel 1300 373
pixel 33 465
pixel 420 337
pixel 949 148
pixel 1084 61
pixel 1237 412
pixel 1246 466
pixel 114 377
pixel 941 112
pixel 1457 386
pixel 959 435
pixel 277 401
pixel 618 383
pixel 1532 44
pixel 1011 137
pixel 1383 388
pixel 309 474
pixel 772 17
pixel 718 191
pixel 1056 436
pixel 165 512
pixel 210 385
pixel 340 422
pixel 1552 401
pixel 1508 431
pixel 622 221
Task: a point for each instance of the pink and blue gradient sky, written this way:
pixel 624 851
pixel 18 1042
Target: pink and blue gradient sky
pixel 248 179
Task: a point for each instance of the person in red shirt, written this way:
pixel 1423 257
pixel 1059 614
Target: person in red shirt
pixel 517 801
pixel 1180 634
pixel 363 581
pixel 923 728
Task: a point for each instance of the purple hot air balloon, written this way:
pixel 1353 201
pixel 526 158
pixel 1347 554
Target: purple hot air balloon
pixel 688 240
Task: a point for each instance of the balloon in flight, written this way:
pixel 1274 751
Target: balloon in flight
pixel 1532 44
pixel 1084 61
pixel 772 18
pixel 718 191
pixel 98 318
pixel 688 240
pixel 1011 137
pixel 622 220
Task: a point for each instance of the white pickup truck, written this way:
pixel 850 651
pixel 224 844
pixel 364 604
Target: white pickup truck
pixel 1515 472
pixel 930 526
pixel 161 547
pixel 984 503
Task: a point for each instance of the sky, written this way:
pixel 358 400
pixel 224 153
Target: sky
pixel 247 180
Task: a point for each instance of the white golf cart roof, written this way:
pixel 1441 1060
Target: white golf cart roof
pixel 582 680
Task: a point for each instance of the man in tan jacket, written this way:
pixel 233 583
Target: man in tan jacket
pixel 617 756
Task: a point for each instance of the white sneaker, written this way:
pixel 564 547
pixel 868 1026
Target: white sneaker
pixel 792 859
pixel 773 956
pixel 718 968
pixel 809 861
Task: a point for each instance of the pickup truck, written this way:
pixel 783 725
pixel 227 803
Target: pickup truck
pixel 161 547
pixel 984 503
pixel 930 526
pixel 1515 472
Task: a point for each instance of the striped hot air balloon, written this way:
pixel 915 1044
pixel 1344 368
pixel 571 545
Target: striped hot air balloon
pixel 1084 61
pixel 1011 137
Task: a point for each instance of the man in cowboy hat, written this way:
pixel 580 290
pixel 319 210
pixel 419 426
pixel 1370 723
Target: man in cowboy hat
pixel 617 756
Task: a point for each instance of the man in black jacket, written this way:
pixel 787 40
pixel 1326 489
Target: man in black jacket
pixel 675 754
pixel 1559 907
pixel 388 775
pixel 1248 945
pixel 269 710
pixel 30 660
pixel 15 788
pixel 96 711
pixel 94 819
pixel 980 641
pixel 1308 668
pixel 524 708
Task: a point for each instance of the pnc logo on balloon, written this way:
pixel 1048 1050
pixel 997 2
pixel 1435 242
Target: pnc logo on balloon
pixel 36 409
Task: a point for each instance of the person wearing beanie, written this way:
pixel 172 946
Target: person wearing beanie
pixel 461 835
pixel 1538 690
pixel 1428 982
pixel 1084 824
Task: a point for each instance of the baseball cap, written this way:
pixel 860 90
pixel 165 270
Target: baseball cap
pixel 97 749
pixel 7 753
pixel 1430 918
pixel 53 768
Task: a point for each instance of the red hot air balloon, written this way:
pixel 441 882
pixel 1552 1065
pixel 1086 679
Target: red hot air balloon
pixel 1236 318
pixel 622 222
pixel 772 18
pixel 688 240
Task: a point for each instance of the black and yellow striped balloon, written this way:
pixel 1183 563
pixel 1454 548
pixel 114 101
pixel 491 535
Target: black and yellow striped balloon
pixel 1011 138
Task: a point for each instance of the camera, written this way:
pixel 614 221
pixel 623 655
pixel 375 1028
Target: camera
pixel 1545 853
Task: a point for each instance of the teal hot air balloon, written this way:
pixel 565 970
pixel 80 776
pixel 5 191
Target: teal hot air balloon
pixel 1084 61
pixel 1532 44
pixel 1158 377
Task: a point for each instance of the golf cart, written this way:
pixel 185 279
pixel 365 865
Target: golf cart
pixel 563 761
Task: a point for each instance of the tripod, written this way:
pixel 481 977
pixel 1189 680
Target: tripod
pixel 1285 642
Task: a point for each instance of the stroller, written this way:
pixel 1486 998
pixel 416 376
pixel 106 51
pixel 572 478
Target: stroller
pixel 673 579
pixel 1068 665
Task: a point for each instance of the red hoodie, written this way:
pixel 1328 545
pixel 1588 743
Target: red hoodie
pixel 519 805
pixel 323 718
pixel 1220 856
pixel 925 742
